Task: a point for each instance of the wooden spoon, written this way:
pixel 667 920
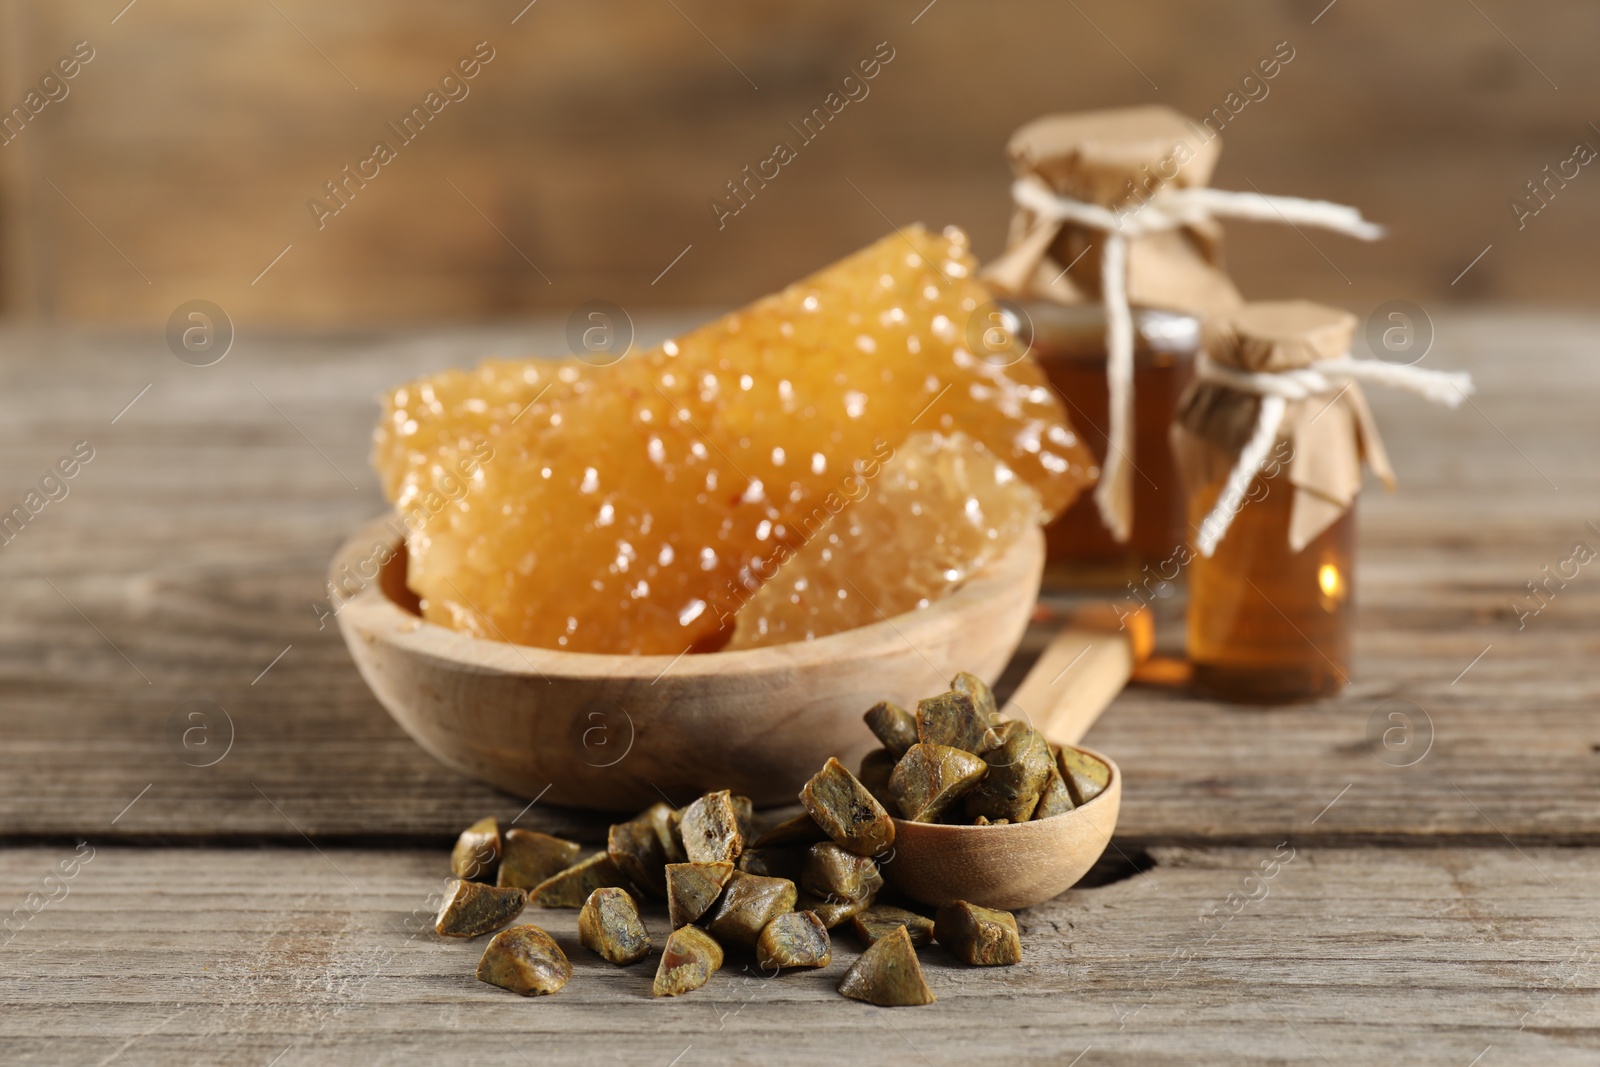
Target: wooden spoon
pixel 1021 864
pixel 618 732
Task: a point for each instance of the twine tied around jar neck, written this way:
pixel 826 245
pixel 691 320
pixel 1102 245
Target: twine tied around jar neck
pixel 1277 388
pixel 1168 208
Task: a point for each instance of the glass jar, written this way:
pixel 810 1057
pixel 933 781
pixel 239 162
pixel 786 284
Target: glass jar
pixel 1069 343
pixel 1268 625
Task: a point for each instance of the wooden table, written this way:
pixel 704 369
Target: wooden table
pixel 1433 900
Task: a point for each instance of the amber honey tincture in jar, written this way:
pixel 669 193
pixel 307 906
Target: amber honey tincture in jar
pixel 1054 268
pixel 1270 440
pixel 1069 345
pixel 1113 210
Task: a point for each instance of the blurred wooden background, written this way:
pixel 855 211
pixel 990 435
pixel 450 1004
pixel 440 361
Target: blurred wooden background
pixel 583 161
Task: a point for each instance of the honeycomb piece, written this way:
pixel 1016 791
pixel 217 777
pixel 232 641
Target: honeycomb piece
pixel 430 425
pixel 943 507
pixel 633 508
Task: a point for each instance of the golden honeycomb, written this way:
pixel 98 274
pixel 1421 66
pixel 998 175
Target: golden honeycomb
pixel 430 424
pixel 632 508
pixel 942 507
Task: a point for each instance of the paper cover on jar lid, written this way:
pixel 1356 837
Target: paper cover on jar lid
pixel 1110 158
pixel 1113 206
pixel 1089 154
pixel 1281 372
pixel 1277 335
pixel 1330 434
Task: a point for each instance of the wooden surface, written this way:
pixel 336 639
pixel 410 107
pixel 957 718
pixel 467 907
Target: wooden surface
pixel 1352 955
pixel 588 152
pixel 1427 913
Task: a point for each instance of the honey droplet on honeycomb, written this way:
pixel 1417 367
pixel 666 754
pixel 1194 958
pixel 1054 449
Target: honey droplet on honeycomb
pixel 943 507
pixel 619 509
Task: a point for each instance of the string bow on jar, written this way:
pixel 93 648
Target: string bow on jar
pixel 1282 371
pixel 1114 205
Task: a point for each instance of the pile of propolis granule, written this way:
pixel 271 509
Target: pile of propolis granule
pixel 828 456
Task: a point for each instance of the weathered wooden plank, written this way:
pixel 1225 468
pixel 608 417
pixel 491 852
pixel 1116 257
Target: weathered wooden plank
pixel 597 137
pixel 194 544
pixel 1292 954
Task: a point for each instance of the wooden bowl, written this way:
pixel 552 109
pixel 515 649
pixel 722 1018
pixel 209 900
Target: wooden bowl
pixel 1013 866
pixel 1076 677
pixel 618 733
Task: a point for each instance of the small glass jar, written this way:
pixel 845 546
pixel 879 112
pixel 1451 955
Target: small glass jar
pixel 1267 624
pixel 1069 343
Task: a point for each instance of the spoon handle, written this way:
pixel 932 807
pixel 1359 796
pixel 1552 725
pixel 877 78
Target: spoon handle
pixel 1081 671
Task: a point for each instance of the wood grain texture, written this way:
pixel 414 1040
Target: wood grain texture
pixel 587 154
pixel 1303 898
pixel 1367 955
pixel 618 733
pixel 195 543
pixel 1084 667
